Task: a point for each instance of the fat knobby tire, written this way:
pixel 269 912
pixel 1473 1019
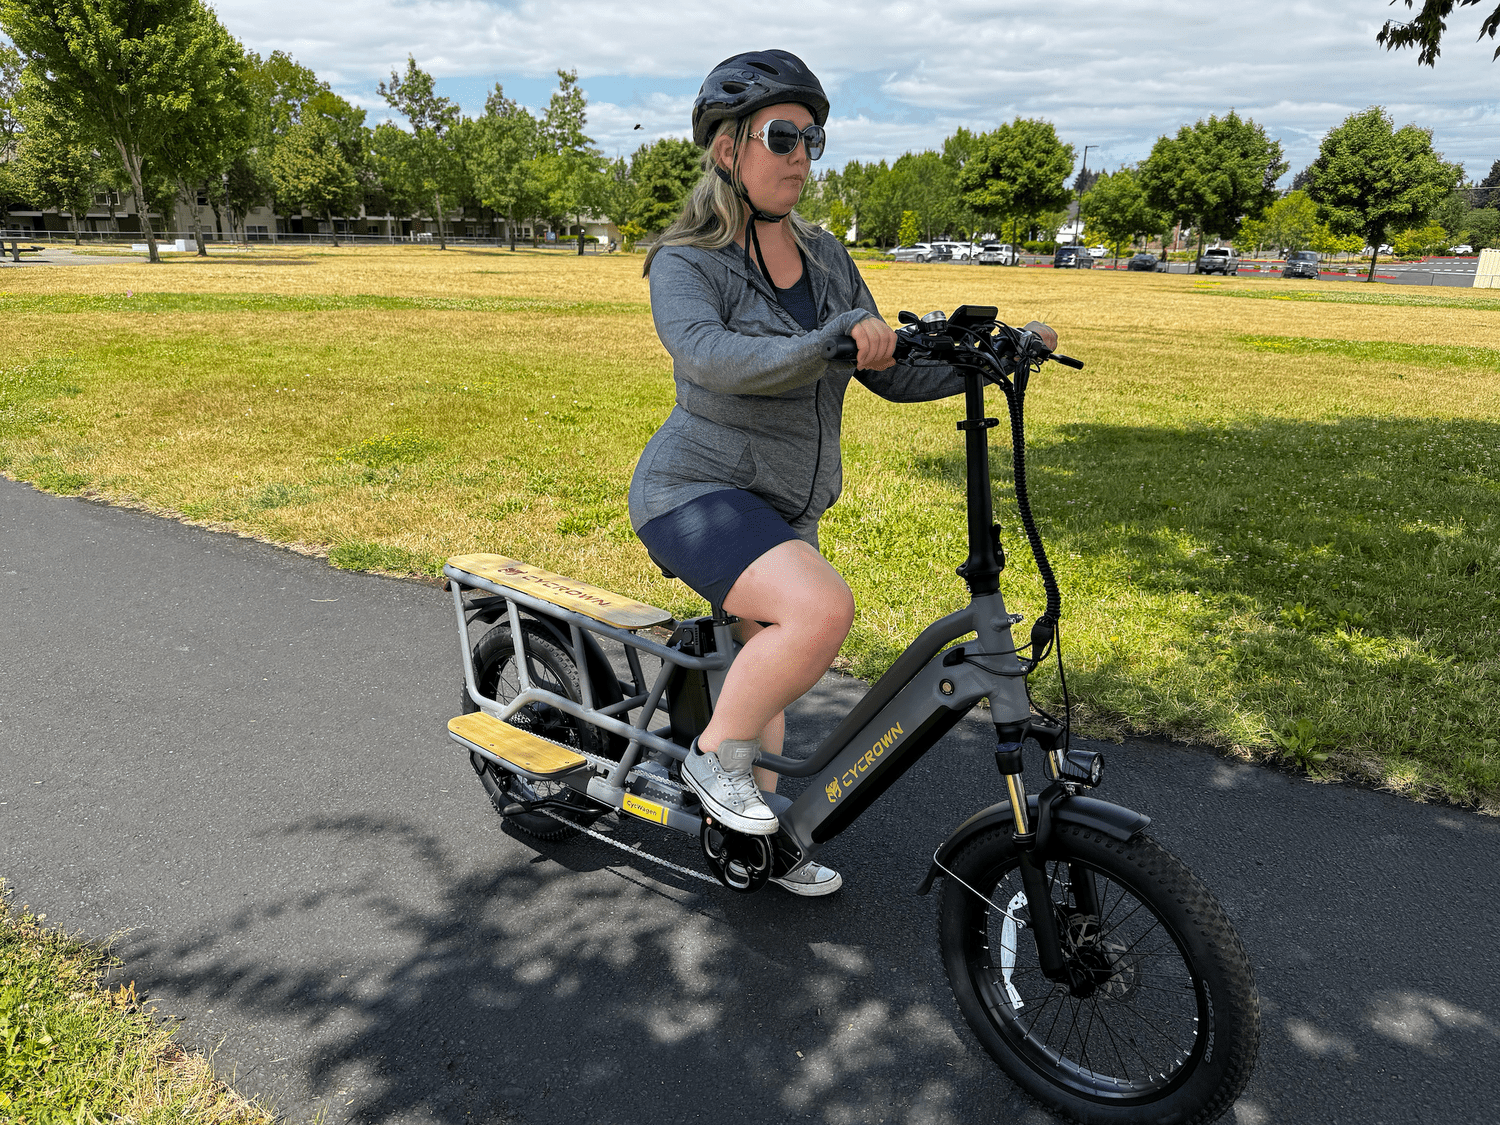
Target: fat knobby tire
pixel 1212 957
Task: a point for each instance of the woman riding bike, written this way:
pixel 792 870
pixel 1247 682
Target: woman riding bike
pixel 728 492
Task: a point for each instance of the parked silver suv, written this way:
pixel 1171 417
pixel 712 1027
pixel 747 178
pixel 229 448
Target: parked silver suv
pixel 1219 259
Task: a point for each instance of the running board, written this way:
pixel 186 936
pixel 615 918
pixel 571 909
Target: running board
pixel 523 752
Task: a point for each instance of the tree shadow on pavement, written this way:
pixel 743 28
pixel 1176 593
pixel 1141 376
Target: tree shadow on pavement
pixel 573 982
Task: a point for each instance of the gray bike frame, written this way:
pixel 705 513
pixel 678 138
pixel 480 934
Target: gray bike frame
pixel 923 696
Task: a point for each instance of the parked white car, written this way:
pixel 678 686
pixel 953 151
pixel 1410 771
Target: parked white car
pixel 1098 251
pixel 958 251
pixel 997 254
pixel 1463 249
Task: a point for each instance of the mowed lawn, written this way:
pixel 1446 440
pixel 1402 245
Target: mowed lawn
pixel 1273 507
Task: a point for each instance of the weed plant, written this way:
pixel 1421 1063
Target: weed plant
pixel 1276 523
pixel 76 1052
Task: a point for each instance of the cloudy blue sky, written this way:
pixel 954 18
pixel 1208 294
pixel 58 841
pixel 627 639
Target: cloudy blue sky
pixel 902 75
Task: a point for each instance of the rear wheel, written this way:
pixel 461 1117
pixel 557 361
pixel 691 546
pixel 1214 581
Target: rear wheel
pixel 1159 1018
pixel 497 675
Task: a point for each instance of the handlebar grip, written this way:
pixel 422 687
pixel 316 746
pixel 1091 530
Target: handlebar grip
pixel 840 347
pixel 1067 361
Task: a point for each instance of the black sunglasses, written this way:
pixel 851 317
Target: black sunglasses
pixel 781 137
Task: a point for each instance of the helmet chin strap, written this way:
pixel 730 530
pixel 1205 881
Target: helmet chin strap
pixel 756 216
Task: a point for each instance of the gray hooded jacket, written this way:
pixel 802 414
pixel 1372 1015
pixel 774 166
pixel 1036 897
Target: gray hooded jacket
pixel 758 407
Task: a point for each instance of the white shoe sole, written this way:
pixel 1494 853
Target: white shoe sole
pixel 728 817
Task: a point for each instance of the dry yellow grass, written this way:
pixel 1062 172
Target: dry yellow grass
pixel 395 406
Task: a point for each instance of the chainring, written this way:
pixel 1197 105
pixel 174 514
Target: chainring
pixel 740 861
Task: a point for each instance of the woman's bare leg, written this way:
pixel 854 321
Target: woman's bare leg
pixel 810 610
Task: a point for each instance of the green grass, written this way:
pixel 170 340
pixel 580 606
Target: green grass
pixel 1383 352
pixel 74 1051
pixel 153 304
pixel 1390 296
pixel 1276 525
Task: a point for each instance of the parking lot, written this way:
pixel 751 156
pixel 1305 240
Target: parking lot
pixel 1432 271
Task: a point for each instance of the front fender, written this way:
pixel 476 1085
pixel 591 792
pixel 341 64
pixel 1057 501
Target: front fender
pixel 1115 821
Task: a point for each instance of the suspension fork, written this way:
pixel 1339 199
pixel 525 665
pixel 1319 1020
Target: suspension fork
pixel 1033 867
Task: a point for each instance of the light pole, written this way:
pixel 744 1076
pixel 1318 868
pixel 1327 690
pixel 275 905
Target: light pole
pixel 1082 182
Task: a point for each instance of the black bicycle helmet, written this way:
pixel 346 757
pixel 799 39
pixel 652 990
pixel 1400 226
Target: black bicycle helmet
pixel 744 83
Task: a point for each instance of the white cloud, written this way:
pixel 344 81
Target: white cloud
pixel 902 75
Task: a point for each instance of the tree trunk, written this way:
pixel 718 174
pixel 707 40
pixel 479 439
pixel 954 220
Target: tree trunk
pixel 437 205
pixel 334 227
pixel 1374 254
pixel 132 162
pixel 197 225
pixel 77 226
pixel 580 236
pixel 510 228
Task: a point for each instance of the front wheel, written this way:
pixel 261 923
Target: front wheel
pixel 1158 1020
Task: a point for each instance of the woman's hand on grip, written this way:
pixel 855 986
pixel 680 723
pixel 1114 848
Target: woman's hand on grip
pixel 876 343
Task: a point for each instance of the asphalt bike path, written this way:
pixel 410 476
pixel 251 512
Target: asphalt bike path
pixel 236 756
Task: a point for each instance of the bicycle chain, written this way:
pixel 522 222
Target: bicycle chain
pixel 636 850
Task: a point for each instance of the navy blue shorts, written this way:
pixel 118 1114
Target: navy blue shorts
pixel 710 541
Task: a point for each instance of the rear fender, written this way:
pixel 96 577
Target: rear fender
pixel 1115 821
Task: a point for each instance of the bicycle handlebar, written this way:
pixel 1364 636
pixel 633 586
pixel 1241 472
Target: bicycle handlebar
pixel 844 348
pixel 840 347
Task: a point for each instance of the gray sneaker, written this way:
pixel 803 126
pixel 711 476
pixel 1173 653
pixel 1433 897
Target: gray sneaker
pixel 723 783
pixel 811 879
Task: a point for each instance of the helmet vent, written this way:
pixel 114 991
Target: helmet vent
pixel 733 87
pixel 764 69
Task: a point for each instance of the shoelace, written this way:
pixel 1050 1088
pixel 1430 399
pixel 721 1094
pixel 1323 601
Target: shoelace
pixel 741 785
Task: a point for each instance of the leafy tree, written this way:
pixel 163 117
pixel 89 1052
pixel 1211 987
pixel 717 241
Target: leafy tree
pixel 394 158
pixel 910 230
pixel 11 189
pixel 1118 209
pixel 1290 222
pixel 212 127
pixel 1325 242
pixel 880 204
pixel 1015 173
pixel 1452 214
pixel 1486 193
pixel 1483 230
pixel 570 164
pixel 1425 32
pixel 1214 174
pixel 840 217
pixel 1369 176
pixel 121 69
pixel 502 157
pixel 312 172
pixel 928 185
pixel 1417 242
pixel 57 163
pixel 279 90
pixel 663 174
pixel 432 118
pixel 853 180
pixel 245 184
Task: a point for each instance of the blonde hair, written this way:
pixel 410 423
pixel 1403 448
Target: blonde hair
pixel 714 212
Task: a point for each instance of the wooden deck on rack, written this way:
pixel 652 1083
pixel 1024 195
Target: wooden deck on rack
pixel 526 751
pixel 591 601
